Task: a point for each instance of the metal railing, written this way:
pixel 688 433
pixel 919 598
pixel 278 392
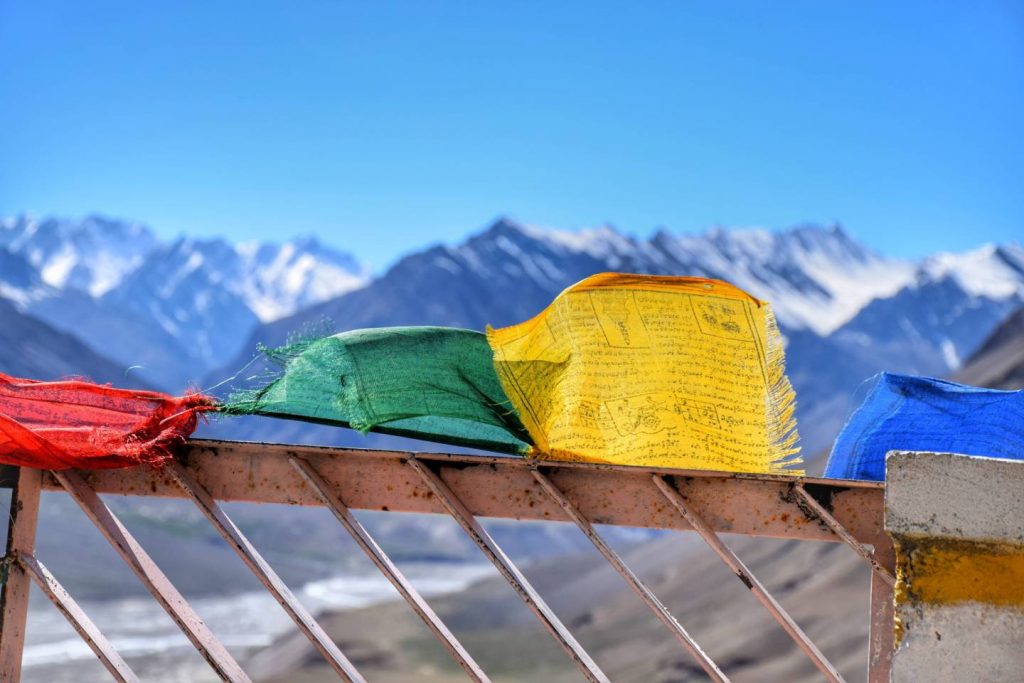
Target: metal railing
pixel 466 488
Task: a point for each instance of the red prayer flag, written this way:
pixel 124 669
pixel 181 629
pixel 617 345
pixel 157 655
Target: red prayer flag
pixel 81 425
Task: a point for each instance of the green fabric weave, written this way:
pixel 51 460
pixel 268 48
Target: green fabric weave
pixel 433 383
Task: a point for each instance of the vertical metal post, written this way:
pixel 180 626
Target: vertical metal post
pixel 21 538
pixel 882 634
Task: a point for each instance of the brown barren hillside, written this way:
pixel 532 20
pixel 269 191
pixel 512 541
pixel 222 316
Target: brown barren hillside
pixel 999 362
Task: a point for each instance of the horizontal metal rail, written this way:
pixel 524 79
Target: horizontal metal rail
pixel 467 488
pixel 818 510
pixel 504 487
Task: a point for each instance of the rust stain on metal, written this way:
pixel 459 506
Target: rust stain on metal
pixel 494 486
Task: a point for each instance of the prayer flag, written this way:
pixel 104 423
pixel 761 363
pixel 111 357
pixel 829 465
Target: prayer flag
pixel 626 369
pixel 77 424
pixel 658 371
pixel 433 383
pixel 904 413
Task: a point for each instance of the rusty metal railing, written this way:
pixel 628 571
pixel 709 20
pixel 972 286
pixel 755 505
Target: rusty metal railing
pixel 466 488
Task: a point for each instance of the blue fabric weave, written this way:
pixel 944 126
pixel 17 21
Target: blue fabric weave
pixel 904 413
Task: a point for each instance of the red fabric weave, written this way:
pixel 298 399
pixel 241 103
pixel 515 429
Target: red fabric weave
pixel 81 425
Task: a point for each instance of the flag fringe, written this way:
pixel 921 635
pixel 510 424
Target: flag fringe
pixel 780 405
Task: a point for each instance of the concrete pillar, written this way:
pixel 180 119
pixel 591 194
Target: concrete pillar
pixel 958 526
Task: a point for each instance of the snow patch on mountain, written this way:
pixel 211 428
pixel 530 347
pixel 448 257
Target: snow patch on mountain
pixel 992 271
pixel 92 254
pixel 20 282
pixel 278 280
pixel 816 278
pixel 173 309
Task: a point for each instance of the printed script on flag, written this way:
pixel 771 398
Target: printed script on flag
pixel 657 371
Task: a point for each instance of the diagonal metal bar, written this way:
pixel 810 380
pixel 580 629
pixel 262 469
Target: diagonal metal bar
pixel 266 575
pixel 645 593
pixel 583 661
pixel 78 619
pixel 377 555
pixel 21 538
pixel 155 581
pixel 832 523
pixel 749 580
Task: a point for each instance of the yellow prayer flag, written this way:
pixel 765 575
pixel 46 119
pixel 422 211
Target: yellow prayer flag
pixel 660 371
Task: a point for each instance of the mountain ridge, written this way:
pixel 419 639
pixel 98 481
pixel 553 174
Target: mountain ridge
pixel 832 296
pixel 193 311
pixel 171 309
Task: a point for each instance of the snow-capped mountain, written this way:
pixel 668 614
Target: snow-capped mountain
pixel 91 255
pixel 277 280
pixel 170 311
pixel 816 278
pixel 208 293
pixel 847 312
pixel 194 310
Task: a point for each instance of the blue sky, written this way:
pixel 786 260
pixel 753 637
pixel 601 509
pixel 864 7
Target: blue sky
pixel 382 127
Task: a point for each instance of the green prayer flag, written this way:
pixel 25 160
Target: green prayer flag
pixel 433 383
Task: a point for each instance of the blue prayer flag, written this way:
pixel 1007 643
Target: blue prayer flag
pixel 904 413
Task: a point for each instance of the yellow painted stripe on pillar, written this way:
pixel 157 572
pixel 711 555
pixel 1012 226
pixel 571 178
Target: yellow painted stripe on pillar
pixel 948 572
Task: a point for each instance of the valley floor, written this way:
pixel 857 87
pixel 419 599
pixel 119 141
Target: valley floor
pixel 823 585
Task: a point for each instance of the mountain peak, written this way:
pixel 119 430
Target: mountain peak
pixel 989 270
pixel 503 223
pixel 92 254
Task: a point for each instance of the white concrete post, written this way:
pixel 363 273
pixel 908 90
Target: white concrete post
pixel 958 526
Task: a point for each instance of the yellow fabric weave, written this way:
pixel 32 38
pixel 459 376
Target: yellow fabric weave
pixel 659 371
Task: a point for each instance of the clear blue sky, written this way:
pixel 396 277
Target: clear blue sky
pixel 385 126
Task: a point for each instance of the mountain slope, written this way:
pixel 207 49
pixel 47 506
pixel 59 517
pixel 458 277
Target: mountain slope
pixel 509 272
pixel 999 362
pixel 173 311
pixel 91 255
pixel 34 350
pixel 20 281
